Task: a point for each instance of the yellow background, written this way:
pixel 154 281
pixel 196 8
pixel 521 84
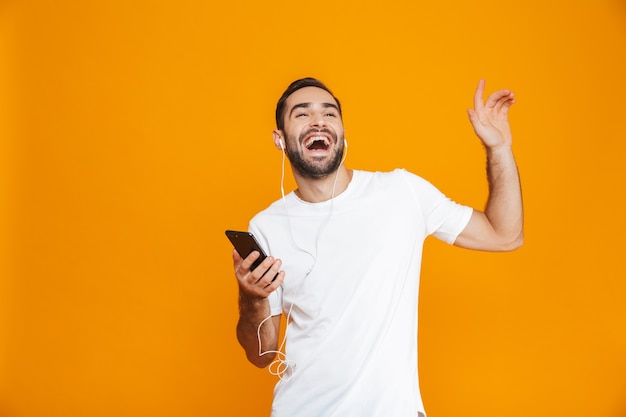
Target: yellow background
pixel 134 133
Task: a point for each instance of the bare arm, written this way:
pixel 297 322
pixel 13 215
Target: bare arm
pixel 501 226
pixel 254 288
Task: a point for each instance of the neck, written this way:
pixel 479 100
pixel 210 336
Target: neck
pixel 317 190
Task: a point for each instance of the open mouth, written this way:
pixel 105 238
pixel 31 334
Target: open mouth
pixel 317 143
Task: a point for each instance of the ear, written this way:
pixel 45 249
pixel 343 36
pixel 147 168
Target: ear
pixel 279 142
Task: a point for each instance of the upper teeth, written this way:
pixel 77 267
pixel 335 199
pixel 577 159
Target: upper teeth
pixel 314 139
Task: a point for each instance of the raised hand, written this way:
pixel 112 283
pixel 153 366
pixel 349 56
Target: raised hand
pixel 490 119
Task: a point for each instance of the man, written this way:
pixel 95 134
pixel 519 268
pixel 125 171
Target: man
pixel 346 251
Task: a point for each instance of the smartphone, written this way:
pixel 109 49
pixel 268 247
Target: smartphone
pixel 245 243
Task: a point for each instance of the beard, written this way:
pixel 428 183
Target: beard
pixel 317 168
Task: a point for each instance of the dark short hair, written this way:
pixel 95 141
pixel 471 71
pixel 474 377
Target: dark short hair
pixel 293 87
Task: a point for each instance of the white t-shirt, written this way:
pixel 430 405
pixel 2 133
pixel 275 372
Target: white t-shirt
pixel 351 288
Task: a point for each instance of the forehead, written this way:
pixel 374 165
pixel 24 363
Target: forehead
pixel 313 95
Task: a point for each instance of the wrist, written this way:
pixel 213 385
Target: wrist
pixel 500 149
pixel 251 302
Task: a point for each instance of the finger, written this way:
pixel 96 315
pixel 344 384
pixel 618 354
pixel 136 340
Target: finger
pixel 495 99
pixel 475 121
pixel 245 264
pixel 478 95
pixel 272 273
pixel 472 115
pixel 237 261
pixel 507 105
pixel 260 274
pixel 275 282
pixel 505 102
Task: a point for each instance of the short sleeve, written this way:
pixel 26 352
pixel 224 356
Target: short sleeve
pixel 444 218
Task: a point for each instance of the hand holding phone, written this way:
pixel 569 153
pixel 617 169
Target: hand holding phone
pixel 245 243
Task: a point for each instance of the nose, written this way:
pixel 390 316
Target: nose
pixel 318 120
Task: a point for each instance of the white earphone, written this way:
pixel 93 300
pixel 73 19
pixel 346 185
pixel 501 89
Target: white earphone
pixel 282 366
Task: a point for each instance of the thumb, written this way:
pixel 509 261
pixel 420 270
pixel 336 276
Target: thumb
pixel 472 115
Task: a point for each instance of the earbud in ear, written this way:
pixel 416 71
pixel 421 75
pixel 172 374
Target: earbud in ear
pixel 282 145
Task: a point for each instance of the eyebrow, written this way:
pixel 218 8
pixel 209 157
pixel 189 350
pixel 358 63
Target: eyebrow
pixel 307 105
